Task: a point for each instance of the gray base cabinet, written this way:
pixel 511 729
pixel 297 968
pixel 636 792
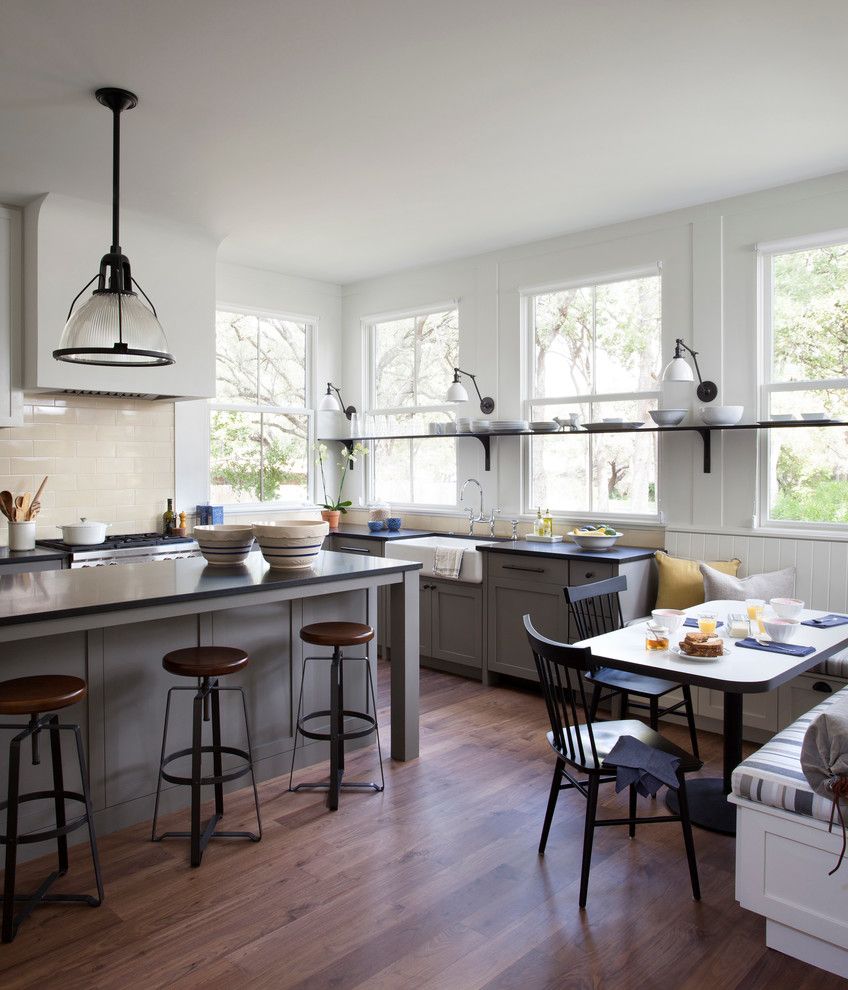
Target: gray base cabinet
pixel 517 585
pixel 456 622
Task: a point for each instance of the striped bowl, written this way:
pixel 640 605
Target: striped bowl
pixel 224 544
pixel 290 544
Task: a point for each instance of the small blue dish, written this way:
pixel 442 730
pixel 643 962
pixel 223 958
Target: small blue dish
pixel 394 523
pixel 376 525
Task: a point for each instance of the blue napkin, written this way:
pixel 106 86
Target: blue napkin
pixel 787 649
pixel 826 621
pixel 693 623
pixel 642 765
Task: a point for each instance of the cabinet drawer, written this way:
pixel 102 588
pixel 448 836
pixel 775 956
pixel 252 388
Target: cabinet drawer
pixel 589 571
pixel 355 544
pixel 518 567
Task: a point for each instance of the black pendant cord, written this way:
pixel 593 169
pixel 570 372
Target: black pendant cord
pixel 116 179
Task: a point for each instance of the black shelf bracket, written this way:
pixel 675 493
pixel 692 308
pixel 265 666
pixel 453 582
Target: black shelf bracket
pixel 706 436
pixel 486 441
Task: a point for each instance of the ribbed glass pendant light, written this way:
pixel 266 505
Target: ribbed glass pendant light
pixel 114 327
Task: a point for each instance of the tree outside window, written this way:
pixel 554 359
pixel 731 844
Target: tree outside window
pixel 260 423
pixel 805 325
pixel 595 350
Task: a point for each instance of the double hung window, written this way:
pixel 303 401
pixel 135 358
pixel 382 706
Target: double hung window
pixel 261 424
pixel 593 350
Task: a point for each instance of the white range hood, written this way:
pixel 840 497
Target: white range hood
pixel 175 264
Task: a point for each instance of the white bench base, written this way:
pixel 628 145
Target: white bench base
pixel 782 862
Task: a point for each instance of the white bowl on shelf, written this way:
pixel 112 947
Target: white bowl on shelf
pixel 480 425
pixel 787 608
pixel 225 543
pixel 291 544
pixel 721 415
pixel 813 417
pixel 667 417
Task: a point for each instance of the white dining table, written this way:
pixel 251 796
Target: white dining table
pixel 740 671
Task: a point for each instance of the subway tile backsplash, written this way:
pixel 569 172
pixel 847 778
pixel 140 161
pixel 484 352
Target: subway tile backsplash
pixel 107 459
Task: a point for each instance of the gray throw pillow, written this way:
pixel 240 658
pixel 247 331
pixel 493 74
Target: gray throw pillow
pixel 774 584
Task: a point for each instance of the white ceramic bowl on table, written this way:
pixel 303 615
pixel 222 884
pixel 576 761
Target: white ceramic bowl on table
pixel 671 618
pixel 225 543
pixel 787 608
pixel 781 630
pixel 291 544
pixel 721 415
pixel 588 542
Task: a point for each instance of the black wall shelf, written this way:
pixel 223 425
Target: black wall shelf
pixel 703 431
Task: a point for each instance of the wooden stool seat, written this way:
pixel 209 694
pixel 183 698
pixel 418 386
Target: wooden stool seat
pixel 337 634
pixel 41 693
pixel 205 661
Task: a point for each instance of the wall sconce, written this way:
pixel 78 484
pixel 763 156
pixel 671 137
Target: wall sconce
pixel 458 393
pixel 678 370
pixel 335 403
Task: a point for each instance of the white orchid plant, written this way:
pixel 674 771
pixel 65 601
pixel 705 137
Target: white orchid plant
pixel 349 457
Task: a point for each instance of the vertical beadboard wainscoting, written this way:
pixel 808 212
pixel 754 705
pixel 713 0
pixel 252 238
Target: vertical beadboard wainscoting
pixel 821 567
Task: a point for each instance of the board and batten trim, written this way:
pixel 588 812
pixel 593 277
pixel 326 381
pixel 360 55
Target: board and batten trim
pixel 821 566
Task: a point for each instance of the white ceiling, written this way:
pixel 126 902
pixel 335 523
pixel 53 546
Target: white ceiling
pixel 344 138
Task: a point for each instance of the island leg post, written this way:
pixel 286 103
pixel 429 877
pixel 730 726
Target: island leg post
pixel 404 642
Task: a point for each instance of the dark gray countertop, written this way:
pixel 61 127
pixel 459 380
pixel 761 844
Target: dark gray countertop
pixel 569 551
pixel 43 595
pixel 363 532
pixel 8 556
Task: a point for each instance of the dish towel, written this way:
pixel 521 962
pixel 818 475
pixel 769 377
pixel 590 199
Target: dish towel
pixel 644 766
pixel 693 623
pixel 447 561
pixel 787 649
pixel 826 621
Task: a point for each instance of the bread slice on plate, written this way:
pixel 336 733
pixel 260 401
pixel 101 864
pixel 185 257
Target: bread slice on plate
pixel 699 644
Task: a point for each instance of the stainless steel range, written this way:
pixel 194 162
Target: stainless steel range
pixel 127 548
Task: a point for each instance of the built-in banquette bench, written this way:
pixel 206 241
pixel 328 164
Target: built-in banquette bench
pixel 784 850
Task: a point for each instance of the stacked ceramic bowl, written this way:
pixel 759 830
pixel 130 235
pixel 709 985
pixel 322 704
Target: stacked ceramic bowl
pixel 463 424
pixel 292 543
pixel 224 544
pixel 508 425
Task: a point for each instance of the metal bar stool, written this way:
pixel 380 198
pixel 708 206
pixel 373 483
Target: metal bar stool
pixel 206 664
pixel 338 635
pixel 30 696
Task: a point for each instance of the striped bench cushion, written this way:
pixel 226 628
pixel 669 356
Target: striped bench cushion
pixel 837 666
pixel 773 774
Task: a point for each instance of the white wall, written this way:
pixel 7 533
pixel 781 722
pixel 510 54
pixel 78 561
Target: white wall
pixel 709 298
pixel 276 293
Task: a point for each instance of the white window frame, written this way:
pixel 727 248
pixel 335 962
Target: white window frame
pixel 765 253
pixel 369 390
pixel 528 339
pixel 311 322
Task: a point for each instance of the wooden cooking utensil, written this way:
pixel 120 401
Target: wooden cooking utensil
pixel 37 495
pixel 7 504
pixel 26 502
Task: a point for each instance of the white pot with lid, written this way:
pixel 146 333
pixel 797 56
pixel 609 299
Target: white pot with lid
pixel 84 533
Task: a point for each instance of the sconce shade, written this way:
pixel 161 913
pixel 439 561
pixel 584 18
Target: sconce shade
pixel 329 403
pixel 456 393
pixel 678 369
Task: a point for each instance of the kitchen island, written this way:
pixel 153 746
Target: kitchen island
pixel 112 625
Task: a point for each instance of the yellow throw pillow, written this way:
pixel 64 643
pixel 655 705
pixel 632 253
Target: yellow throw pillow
pixel 680 581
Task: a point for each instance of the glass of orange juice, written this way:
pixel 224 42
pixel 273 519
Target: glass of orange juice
pixel 755 608
pixel 707 623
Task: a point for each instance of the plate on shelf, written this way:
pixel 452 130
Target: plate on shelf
pixel 612 427
pixel 544 426
pixel 686 656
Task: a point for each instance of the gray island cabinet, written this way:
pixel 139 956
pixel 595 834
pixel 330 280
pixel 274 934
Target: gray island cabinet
pixel 112 625
pixel 522 577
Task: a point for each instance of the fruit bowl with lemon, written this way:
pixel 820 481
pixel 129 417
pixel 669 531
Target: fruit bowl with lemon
pixel 602 537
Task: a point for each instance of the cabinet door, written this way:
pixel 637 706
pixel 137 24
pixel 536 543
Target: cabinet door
pixel 508 651
pixel 759 711
pixel 11 399
pixel 425 611
pixel 457 623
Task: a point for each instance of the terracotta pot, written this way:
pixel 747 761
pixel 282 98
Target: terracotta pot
pixel 331 516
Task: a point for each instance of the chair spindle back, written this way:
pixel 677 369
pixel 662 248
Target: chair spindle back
pixel 596 607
